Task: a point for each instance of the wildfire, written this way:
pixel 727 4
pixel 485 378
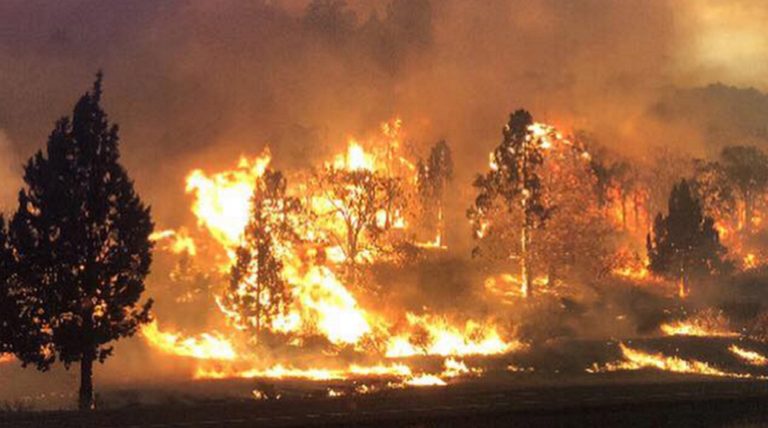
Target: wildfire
pixel 321 304
pixel 425 380
pixel 452 368
pixel 510 287
pixel 635 359
pixel 6 358
pixel 206 346
pixel 750 261
pixel 639 273
pixel 180 241
pixel 441 338
pixel 223 200
pixel 324 298
pixel 355 158
pixel 751 357
pixel 456 368
pixel 707 323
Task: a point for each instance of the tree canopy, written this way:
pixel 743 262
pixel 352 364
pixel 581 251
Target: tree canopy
pixel 80 240
pixel 685 244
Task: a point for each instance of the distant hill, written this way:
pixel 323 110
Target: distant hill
pixel 722 114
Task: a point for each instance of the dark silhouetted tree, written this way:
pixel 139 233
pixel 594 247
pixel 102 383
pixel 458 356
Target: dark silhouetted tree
pixel 684 244
pixel 747 168
pixel 81 242
pixel 433 178
pixel 514 179
pixel 258 292
pixel 22 331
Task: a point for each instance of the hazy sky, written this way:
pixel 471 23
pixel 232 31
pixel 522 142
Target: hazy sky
pixel 197 83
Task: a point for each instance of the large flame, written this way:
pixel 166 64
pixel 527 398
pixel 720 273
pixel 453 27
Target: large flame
pixel 223 200
pixel 207 346
pixel 443 338
pixel 322 304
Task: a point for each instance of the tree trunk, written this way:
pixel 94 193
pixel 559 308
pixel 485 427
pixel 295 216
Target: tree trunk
pixel 748 207
pixel 440 225
pixel 637 212
pixel 86 381
pixel 525 264
pixel 623 210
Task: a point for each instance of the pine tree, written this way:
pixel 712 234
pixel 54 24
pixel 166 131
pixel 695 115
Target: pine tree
pixel 514 178
pixel 433 178
pixel 81 244
pixel 258 292
pixel 685 244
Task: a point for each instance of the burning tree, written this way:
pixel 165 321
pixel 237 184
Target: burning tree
pixel 81 243
pixel 659 176
pixel 258 293
pixel 747 168
pixel 514 179
pixel 577 238
pixel 357 202
pixel 433 178
pixel 714 189
pixel 684 243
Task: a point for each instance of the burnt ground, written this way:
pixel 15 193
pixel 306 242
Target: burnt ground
pixel 639 399
pixel 557 393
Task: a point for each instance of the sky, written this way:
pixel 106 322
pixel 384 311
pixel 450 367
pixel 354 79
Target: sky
pixel 198 83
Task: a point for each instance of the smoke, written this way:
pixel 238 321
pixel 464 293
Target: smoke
pixel 10 173
pixel 196 84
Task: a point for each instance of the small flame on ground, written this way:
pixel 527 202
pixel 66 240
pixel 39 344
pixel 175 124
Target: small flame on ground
pixel 635 359
pixel 751 357
pixel 425 380
pixel 708 323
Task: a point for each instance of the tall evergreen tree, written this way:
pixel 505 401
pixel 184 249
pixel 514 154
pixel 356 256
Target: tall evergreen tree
pixel 514 178
pixel 685 244
pixel 258 291
pixel 81 242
